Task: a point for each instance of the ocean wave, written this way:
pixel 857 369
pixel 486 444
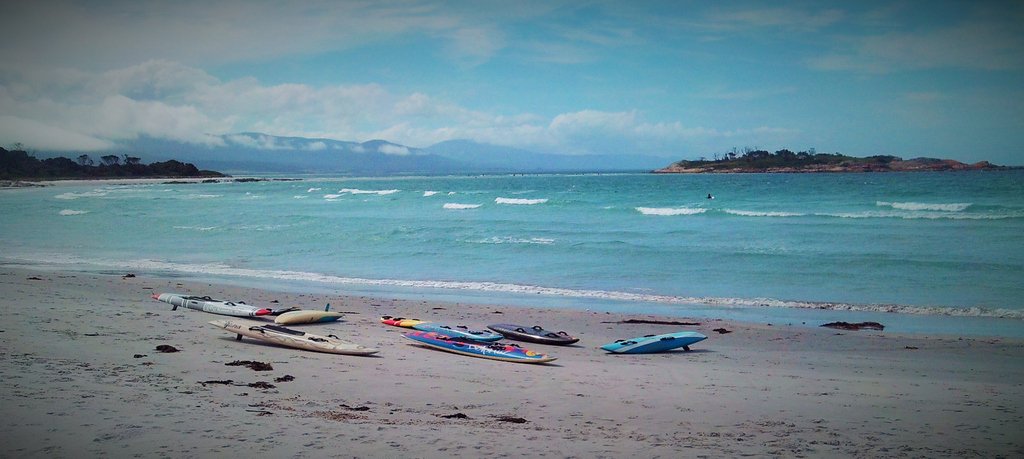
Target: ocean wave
pixel 748 213
pixel 331 196
pixel 219 269
pixel 72 212
pixel 85 194
pixel 670 211
pixel 196 228
pixel 312 190
pixel 457 206
pixel 427 194
pixel 520 201
pixel 922 215
pixel 358 191
pixel 515 240
pixel 202 196
pixel 949 207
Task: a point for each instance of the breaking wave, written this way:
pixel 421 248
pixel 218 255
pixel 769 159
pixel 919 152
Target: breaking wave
pixel 358 191
pixel 520 201
pixel 72 212
pixel 218 269
pixel 457 206
pixel 748 213
pixel 669 211
pixel 950 207
pixel 515 240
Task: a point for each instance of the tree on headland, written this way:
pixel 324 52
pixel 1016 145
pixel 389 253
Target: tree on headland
pixel 19 164
pixel 754 159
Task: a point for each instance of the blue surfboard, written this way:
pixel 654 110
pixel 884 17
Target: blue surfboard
pixel 458 331
pixel 493 351
pixel 654 343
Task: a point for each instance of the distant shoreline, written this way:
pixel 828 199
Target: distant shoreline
pixel 785 161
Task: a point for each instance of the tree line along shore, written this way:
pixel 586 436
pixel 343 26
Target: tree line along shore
pixel 18 164
pixel 782 161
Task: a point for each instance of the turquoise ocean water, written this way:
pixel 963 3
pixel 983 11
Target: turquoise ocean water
pixel 919 252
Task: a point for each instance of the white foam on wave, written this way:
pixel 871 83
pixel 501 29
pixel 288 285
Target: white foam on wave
pixel 203 196
pixel 427 194
pixel 457 206
pixel 358 191
pixel 85 194
pixel 331 196
pixel 312 190
pixel 947 207
pixel 515 240
pixel 219 269
pixel 72 212
pixel 196 228
pixel 922 215
pixel 749 213
pixel 669 211
pixel 520 201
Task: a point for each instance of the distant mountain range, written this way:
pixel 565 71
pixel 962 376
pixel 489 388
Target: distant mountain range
pixel 252 152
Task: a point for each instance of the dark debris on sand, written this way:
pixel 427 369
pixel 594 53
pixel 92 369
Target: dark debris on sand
pixel 513 420
pixel 166 348
pixel 455 416
pixel 285 378
pixel 722 331
pixel 256 366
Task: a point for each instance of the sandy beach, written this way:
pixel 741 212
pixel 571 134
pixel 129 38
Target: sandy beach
pixel 82 377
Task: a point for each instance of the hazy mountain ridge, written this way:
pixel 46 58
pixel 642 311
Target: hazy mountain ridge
pixel 262 153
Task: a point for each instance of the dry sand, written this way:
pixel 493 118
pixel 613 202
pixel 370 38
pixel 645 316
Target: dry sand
pixel 81 378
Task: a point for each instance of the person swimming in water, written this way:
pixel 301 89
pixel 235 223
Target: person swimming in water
pixel 710 197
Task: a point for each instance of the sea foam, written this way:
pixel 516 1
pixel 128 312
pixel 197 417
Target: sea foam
pixel 72 212
pixel 669 211
pixel 949 207
pixel 358 191
pixel 520 201
pixel 219 269
pixel 749 213
pixel 457 206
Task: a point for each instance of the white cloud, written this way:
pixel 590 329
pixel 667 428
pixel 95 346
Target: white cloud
pixel 167 100
pixel 36 135
pixel 389 149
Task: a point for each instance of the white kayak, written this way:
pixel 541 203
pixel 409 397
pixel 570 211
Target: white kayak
pixel 293 338
pixel 207 304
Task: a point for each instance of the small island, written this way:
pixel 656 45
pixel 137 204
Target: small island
pixel 786 161
pixel 19 165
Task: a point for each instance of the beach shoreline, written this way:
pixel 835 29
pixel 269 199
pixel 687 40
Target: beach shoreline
pixel 83 377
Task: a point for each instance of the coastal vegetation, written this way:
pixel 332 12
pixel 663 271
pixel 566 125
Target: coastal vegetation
pixel 17 164
pixel 756 160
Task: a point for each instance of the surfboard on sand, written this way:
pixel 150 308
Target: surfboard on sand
pixel 293 338
pixel 654 343
pixel 307 317
pixel 458 331
pixel 400 321
pixel 534 334
pixel 213 306
pixel 493 351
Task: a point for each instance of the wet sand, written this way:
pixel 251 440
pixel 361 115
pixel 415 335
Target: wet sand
pixel 82 377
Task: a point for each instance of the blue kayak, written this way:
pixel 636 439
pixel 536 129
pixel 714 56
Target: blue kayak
pixel 493 351
pixel 654 343
pixel 458 331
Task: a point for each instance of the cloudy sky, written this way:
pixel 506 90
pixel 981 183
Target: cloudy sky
pixel 680 79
